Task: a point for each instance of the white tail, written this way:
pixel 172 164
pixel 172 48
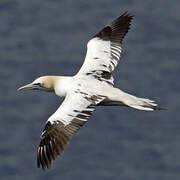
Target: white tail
pixel 124 99
pixel 145 104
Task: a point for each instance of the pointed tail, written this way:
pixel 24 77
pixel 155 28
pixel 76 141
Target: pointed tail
pixel 145 104
pixel 133 102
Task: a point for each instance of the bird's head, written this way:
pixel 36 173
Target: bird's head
pixel 44 83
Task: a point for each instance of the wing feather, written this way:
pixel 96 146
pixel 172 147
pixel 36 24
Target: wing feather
pixel 61 126
pixel 104 49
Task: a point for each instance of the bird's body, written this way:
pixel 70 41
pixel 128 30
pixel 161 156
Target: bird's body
pixel 112 96
pixel 92 86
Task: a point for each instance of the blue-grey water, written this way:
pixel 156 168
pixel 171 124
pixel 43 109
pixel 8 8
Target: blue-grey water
pixel 40 37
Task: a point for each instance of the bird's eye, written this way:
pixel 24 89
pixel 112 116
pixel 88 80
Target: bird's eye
pixel 37 84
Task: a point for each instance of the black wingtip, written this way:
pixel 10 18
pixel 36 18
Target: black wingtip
pixel 126 13
pixel 117 29
pixel 126 17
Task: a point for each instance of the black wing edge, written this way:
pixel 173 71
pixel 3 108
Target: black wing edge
pixel 53 141
pixel 55 138
pixel 116 31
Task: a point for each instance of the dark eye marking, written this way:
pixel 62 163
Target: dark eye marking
pixel 37 84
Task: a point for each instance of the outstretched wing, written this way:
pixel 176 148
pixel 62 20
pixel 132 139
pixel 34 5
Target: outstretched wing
pixel 61 126
pixel 104 49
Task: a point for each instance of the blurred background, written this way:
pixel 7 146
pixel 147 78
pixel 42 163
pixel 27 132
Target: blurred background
pixel 48 37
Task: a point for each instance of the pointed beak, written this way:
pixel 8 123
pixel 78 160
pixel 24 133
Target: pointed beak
pixel 28 87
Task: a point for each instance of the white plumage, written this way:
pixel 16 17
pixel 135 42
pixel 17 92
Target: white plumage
pixel 92 86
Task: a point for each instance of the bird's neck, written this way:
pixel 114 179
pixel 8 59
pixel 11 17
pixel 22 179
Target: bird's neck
pixel 62 85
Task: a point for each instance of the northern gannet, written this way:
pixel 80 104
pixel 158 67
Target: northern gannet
pixel 92 86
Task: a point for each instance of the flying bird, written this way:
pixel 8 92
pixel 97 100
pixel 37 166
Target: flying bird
pixel 92 86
